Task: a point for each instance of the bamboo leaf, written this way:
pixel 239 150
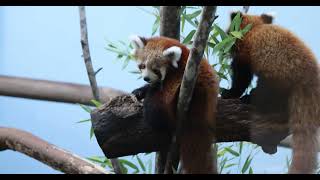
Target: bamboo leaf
pixel 82 121
pixel 246 164
pixel 189 37
pixel 223 35
pixel 231 151
pixel 141 164
pixel 96 103
pixel 86 108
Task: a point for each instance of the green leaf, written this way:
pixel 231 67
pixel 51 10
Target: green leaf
pixel 246 29
pixel 229 165
pixel 96 103
pixel 135 72
pixel 97 159
pixel 141 164
pixel 240 147
pixel 223 43
pixel 91 132
pixel 86 108
pixel 223 35
pixel 210 44
pixel 82 121
pixel 125 63
pixel 250 171
pixel 189 21
pixel 229 46
pixel 236 34
pixel 155 25
pixel 231 151
pixel 194 14
pixel 129 164
pixel 149 166
pixel 235 21
pixel 246 164
pixel 183 21
pixel 189 37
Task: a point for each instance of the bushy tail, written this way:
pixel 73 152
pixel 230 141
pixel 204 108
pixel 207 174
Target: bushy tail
pixel 304 120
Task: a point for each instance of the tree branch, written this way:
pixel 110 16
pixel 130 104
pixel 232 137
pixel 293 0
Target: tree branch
pixel 121 130
pixel 191 73
pixel 170 21
pixel 169 27
pixel 57 158
pixel 53 91
pixel 91 73
pixel 61 92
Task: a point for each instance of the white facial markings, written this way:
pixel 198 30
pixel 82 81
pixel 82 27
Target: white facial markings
pixel 174 53
pixel 136 42
pixel 163 71
pixel 146 72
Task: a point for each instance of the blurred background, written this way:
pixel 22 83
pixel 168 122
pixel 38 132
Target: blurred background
pixel 44 43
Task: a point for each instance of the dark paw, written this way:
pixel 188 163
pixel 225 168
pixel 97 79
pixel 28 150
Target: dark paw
pixel 138 93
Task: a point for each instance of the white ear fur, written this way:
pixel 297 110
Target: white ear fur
pixel 136 42
pixel 175 52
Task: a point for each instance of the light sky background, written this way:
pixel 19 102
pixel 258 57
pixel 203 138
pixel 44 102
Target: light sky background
pixel 44 43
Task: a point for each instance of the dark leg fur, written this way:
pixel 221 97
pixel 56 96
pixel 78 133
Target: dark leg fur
pixel 241 79
pixel 141 92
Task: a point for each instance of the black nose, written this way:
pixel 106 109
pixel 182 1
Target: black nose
pixel 146 79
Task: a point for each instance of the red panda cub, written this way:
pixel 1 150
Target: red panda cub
pixel 162 62
pixel 288 81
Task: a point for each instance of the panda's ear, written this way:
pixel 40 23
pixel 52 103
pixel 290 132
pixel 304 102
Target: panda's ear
pixel 173 54
pixel 137 41
pixel 267 17
pixel 234 13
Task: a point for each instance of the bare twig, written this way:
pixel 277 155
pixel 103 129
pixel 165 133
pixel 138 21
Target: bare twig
pixel 57 158
pixel 90 71
pixel 169 27
pixel 191 71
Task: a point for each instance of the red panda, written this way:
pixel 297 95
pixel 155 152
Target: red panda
pixel 288 81
pixel 162 62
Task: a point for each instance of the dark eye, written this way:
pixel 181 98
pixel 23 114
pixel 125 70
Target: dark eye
pixel 142 66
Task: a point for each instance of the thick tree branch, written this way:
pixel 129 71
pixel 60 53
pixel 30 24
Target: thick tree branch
pixel 61 92
pixel 91 73
pixel 170 21
pixel 169 27
pixel 191 73
pixel 121 130
pixel 57 158
pixel 52 91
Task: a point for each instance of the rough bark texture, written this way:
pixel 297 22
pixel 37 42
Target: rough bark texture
pixel 121 130
pixel 169 27
pixel 46 153
pixel 170 21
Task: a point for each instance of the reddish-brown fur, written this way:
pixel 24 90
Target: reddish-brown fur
pixel 288 74
pixel 197 136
